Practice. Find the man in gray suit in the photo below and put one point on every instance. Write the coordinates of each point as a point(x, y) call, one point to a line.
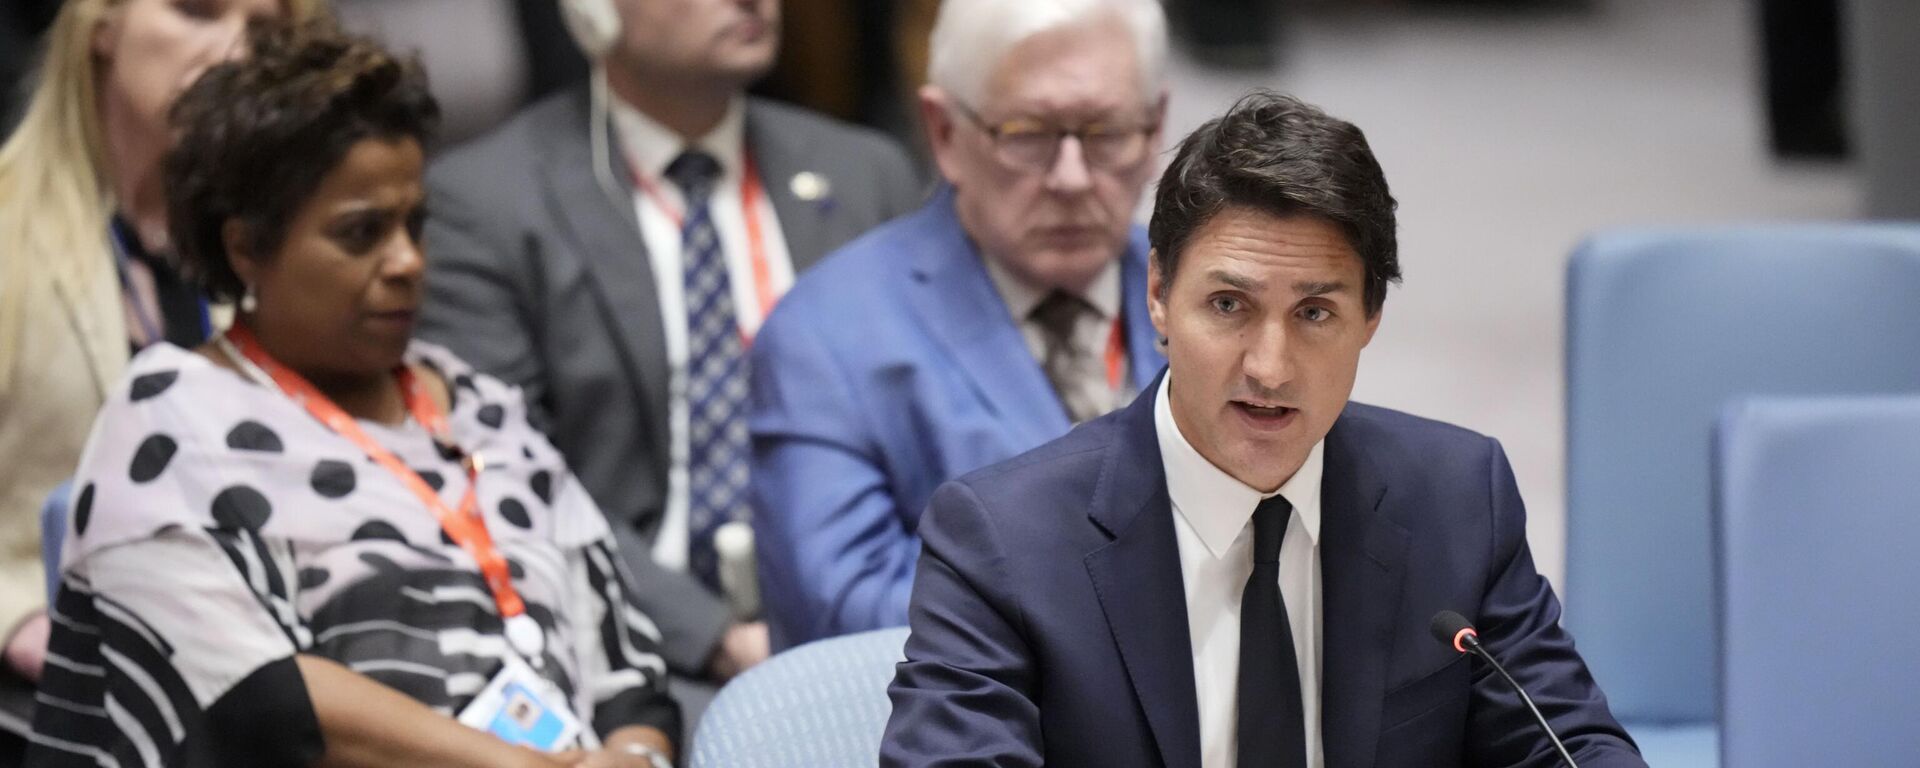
point(613, 249)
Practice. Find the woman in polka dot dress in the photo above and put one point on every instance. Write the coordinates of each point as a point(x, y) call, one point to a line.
point(268, 560)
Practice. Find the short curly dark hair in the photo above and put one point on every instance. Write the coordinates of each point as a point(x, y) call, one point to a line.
point(253, 138)
point(1274, 153)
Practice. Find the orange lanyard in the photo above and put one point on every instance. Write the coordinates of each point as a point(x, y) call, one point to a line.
point(465, 527)
point(1116, 356)
point(750, 192)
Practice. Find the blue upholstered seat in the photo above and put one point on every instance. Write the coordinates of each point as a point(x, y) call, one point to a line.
point(1663, 327)
point(820, 705)
point(1817, 521)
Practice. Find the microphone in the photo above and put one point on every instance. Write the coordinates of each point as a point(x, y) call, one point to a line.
point(1454, 630)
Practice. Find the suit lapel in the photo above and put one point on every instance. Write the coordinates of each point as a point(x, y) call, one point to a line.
point(1361, 559)
point(804, 223)
point(959, 307)
point(607, 237)
point(1137, 578)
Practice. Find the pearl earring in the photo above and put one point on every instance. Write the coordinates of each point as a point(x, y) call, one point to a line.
point(248, 303)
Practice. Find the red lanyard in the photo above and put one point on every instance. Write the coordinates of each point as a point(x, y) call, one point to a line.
point(1116, 356)
point(465, 526)
point(750, 192)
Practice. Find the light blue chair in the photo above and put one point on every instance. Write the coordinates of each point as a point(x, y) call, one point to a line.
point(1817, 519)
point(1663, 327)
point(53, 533)
point(819, 705)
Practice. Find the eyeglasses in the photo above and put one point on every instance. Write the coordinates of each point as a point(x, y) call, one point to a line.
point(1029, 143)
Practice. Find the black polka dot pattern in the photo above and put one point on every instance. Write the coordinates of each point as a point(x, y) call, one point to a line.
point(465, 381)
point(527, 451)
point(378, 530)
point(313, 577)
point(254, 436)
point(151, 458)
point(432, 479)
point(332, 479)
point(150, 384)
point(241, 507)
point(83, 510)
point(492, 415)
point(542, 482)
point(515, 570)
point(515, 512)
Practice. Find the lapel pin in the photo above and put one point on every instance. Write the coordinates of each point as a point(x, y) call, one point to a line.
point(810, 187)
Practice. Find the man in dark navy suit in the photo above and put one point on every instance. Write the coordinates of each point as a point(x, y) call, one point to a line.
point(1240, 568)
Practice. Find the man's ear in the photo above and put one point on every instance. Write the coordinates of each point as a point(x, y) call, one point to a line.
point(1156, 294)
point(937, 116)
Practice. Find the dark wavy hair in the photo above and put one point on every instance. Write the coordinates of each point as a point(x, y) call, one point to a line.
point(253, 138)
point(1274, 153)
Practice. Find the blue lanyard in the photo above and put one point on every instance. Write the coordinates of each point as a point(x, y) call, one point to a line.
point(148, 319)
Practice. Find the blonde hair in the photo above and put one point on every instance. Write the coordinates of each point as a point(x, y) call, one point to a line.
point(55, 199)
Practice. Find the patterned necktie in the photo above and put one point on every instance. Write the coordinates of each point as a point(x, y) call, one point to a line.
point(716, 371)
point(1069, 369)
point(1272, 727)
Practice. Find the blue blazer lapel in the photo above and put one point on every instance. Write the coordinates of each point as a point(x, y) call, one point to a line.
point(1137, 578)
point(1361, 564)
point(959, 307)
point(1144, 358)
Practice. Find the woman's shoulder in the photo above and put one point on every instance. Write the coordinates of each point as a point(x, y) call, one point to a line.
point(482, 404)
point(165, 381)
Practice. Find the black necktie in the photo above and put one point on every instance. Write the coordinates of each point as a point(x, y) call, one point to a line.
point(1273, 732)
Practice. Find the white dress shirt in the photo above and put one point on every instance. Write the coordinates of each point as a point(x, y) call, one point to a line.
point(650, 147)
point(1091, 333)
point(1213, 523)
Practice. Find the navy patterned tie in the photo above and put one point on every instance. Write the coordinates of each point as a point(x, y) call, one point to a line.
point(1272, 724)
point(716, 371)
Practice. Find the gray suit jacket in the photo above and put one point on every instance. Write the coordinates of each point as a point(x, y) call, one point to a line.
point(540, 277)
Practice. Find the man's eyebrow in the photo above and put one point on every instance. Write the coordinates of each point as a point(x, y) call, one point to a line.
point(1236, 281)
point(1319, 288)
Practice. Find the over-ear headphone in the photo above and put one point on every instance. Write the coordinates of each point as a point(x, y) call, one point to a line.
point(595, 25)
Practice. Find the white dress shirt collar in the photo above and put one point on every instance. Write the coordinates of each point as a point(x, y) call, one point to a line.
point(1103, 293)
point(1213, 502)
point(651, 147)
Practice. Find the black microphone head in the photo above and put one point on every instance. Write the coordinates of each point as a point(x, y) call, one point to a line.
point(1447, 626)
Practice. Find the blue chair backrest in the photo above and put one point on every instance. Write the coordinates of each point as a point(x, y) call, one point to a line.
point(1662, 329)
point(1817, 521)
point(819, 705)
point(53, 533)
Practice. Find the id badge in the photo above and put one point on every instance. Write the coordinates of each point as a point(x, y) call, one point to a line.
point(523, 708)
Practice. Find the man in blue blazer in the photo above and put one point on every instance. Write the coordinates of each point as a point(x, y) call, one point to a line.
point(1240, 568)
point(1006, 310)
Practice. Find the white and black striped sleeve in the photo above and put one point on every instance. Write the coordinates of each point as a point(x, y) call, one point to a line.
point(621, 669)
point(188, 640)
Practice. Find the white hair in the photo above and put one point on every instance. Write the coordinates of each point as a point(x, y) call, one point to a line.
point(970, 37)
